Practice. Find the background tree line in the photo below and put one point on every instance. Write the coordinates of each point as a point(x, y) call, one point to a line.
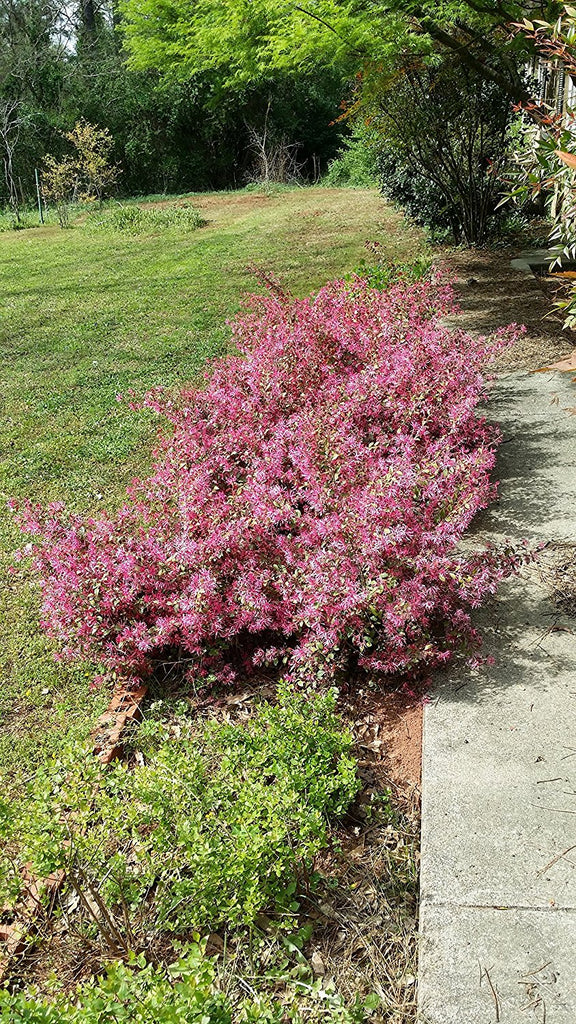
point(61, 62)
point(209, 94)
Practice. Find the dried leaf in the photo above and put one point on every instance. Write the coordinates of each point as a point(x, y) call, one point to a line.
point(214, 943)
point(568, 158)
point(317, 964)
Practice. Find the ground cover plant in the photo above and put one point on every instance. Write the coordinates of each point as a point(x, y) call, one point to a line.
point(203, 830)
point(206, 824)
point(305, 507)
point(186, 992)
point(250, 794)
point(183, 994)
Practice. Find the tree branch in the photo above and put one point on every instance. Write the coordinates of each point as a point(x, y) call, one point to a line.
point(514, 89)
point(316, 17)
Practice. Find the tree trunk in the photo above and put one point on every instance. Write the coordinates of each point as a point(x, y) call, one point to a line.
point(88, 15)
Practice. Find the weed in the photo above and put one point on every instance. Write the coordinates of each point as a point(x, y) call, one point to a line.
point(136, 220)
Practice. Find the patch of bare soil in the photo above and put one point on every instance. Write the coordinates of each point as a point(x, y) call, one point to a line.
point(237, 202)
point(493, 294)
point(389, 723)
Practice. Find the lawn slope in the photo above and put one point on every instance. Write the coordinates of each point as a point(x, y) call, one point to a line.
point(86, 314)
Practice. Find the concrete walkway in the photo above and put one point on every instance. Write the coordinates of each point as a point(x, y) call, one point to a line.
point(498, 911)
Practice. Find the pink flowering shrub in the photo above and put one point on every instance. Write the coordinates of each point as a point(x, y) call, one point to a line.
point(304, 508)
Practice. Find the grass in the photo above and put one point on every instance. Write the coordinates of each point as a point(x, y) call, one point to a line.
point(86, 314)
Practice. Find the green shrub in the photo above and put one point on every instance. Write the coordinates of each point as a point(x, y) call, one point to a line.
point(135, 220)
point(199, 832)
point(416, 194)
point(184, 993)
point(444, 135)
point(140, 994)
point(356, 165)
point(380, 271)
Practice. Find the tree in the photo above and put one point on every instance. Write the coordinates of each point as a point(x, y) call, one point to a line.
point(83, 177)
point(32, 51)
point(242, 38)
point(60, 185)
point(96, 174)
point(13, 120)
point(442, 137)
point(62, 60)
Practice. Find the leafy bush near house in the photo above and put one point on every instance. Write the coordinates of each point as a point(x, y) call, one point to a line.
point(202, 831)
point(421, 199)
point(444, 136)
point(305, 507)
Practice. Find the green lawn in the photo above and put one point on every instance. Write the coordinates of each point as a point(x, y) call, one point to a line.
point(84, 315)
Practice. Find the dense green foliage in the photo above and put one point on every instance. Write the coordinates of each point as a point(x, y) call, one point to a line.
point(59, 64)
point(189, 95)
point(435, 83)
point(204, 831)
point(139, 994)
point(356, 164)
point(240, 38)
point(444, 138)
point(202, 827)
